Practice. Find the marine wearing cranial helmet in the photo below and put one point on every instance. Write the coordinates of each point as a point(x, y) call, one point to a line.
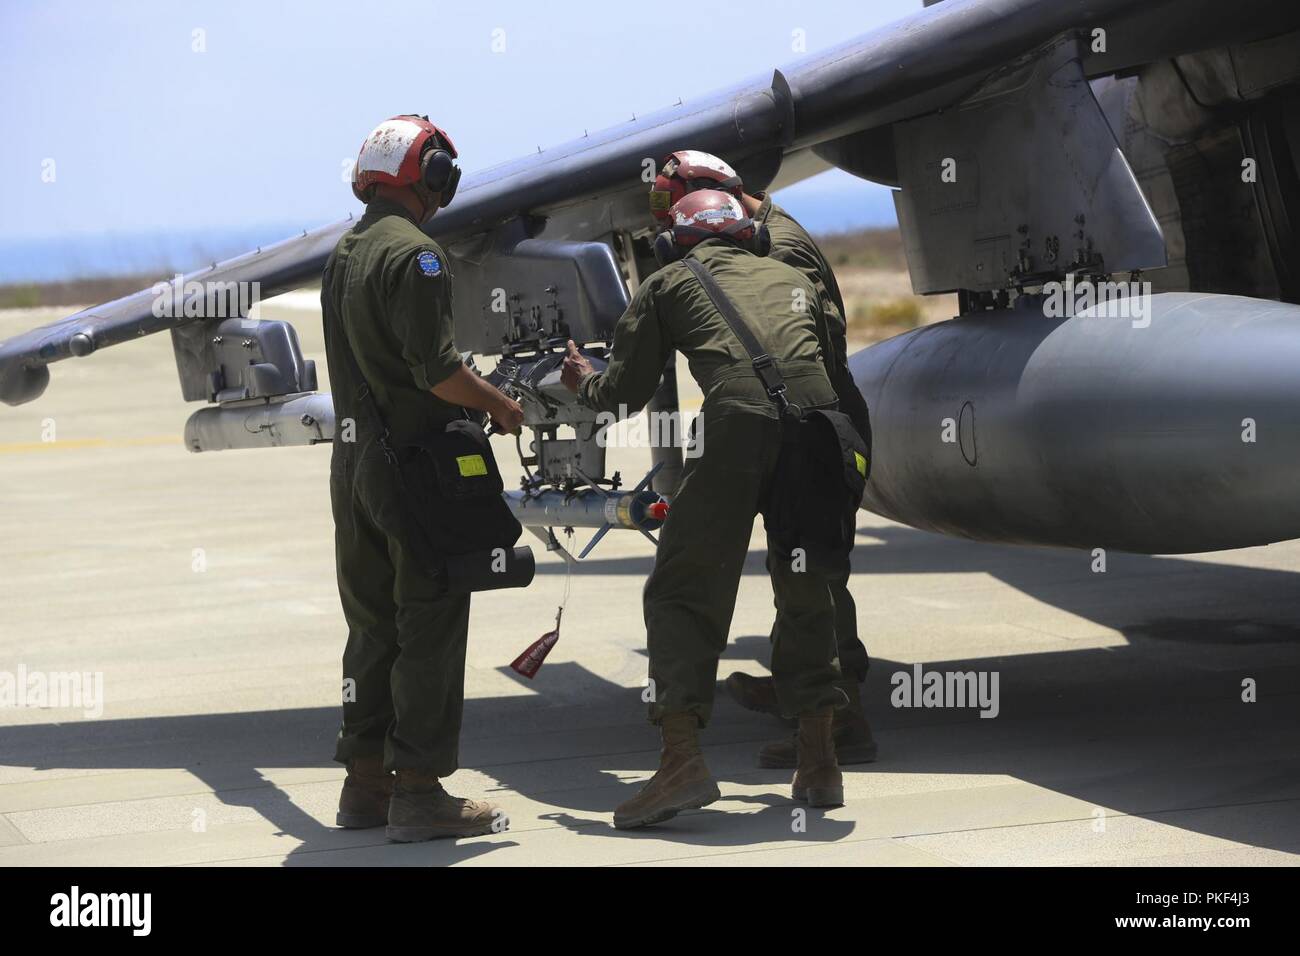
point(691, 593)
point(386, 299)
point(687, 172)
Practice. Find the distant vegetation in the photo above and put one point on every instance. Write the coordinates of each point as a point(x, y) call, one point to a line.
point(904, 312)
point(71, 292)
point(872, 272)
point(865, 249)
point(78, 292)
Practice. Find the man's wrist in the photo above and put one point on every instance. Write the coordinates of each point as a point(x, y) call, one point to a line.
point(500, 407)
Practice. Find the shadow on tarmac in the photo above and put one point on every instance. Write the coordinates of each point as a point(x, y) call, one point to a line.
point(1145, 728)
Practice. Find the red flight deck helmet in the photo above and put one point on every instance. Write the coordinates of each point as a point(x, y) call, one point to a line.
point(704, 214)
point(686, 171)
point(405, 150)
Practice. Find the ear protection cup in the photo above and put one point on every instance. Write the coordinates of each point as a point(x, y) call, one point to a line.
point(449, 190)
point(435, 169)
point(665, 248)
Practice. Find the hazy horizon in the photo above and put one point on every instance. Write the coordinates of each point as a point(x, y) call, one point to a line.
point(110, 253)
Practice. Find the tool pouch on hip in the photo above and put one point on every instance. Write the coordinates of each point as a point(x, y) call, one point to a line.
point(453, 487)
point(817, 486)
point(450, 509)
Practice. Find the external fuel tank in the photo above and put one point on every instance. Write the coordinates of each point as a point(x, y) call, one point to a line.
point(1173, 432)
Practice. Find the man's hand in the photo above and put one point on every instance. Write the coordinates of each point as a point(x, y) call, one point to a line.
point(508, 416)
point(462, 387)
point(576, 368)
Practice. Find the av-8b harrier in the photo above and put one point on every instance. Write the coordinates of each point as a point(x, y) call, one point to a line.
point(1038, 148)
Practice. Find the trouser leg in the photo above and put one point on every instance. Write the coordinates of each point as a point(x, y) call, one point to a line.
point(691, 593)
point(852, 652)
point(365, 582)
point(426, 677)
point(804, 670)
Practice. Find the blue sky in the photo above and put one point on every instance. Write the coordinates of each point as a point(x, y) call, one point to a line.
point(150, 137)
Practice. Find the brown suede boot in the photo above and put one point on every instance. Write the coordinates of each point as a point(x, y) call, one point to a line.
point(366, 791)
point(753, 693)
point(422, 810)
point(682, 781)
point(817, 779)
point(852, 733)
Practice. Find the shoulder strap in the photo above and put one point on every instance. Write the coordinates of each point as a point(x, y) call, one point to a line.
point(364, 395)
point(764, 367)
point(366, 398)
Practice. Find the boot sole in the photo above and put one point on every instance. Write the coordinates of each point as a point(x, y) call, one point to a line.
point(851, 755)
point(359, 821)
point(424, 834)
point(820, 796)
point(694, 802)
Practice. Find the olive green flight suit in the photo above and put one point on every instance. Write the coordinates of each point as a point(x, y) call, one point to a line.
point(792, 245)
point(386, 297)
point(691, 594)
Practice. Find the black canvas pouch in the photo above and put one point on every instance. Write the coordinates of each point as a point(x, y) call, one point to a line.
point(833, 465)
point(454, 488)
point(813, 496)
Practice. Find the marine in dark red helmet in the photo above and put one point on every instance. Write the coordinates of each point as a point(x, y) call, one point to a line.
point(707, 214)
point(687, 171)
point(690, 595)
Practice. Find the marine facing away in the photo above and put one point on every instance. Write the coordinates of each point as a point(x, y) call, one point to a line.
point(691, 593)
point(386, 300)
point(682, 173)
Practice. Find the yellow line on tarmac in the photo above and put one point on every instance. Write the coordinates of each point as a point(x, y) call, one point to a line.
point(70, 444)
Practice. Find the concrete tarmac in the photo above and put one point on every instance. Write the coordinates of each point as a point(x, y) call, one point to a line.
point(1147, 714)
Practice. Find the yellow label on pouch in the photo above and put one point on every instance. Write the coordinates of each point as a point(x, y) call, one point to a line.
point(471, 466)
point(861, 461)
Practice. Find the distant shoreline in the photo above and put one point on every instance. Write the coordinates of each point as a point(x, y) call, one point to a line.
point(878, 248)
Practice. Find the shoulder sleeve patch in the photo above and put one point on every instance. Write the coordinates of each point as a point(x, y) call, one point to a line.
point(429, 263)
